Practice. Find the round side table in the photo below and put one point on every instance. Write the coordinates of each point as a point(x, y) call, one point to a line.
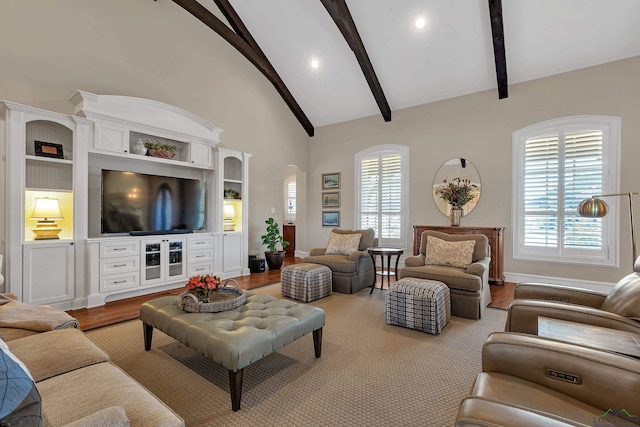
point(388, 252)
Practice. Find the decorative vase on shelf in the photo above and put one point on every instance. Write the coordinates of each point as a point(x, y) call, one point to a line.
point(139, 148)
point(455, 215)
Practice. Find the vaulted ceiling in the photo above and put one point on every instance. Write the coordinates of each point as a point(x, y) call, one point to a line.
point(372, 59)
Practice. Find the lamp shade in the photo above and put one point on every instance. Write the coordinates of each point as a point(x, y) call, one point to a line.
point(46, 209)
point(593, 208)
point(229, 211)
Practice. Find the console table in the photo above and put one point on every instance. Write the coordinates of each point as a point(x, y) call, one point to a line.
point(496, 242)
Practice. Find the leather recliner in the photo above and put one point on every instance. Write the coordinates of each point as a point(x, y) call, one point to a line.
point(620, 309)
point(532, 381)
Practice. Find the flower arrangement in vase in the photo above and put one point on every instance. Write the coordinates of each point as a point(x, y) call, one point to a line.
point(457, 192)
point(200, 286)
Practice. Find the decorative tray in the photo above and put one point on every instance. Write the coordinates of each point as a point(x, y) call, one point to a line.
point(222, 299)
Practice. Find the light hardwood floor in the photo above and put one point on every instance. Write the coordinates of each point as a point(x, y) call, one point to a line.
point(127, 309)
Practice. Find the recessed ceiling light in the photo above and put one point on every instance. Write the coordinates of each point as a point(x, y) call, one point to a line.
point(314, 63)
point(420, 23)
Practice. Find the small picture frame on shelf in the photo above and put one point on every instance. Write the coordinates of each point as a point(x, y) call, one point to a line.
point(48, 149)
point(331, 219)
point(331, 181)
point(331, 199)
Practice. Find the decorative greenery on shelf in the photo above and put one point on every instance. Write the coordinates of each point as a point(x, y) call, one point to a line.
point(154, 144)
point(273, 238)
point(231, 194)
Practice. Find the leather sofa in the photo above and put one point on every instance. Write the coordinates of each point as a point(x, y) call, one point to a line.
point(528, 380)
point(468, 287)
point(620, 309)
point(353, 272)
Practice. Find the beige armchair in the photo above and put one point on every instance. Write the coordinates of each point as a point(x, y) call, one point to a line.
point(352, 272)
point(620, 309)
point(468, 286)
point(531, 381)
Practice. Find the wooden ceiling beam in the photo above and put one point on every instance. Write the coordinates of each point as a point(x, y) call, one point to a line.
point(247, 46)
point(497, 33)
point(342, 17)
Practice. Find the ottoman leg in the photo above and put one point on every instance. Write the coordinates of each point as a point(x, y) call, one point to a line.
point(317, 342)
point(148, 335)
point(235, 388)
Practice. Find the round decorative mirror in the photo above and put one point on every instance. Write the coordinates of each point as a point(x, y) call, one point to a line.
point(458, 172)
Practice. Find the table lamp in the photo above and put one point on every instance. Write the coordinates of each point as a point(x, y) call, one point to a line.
point(229, 213)
point(596, 208)
point(46, 211)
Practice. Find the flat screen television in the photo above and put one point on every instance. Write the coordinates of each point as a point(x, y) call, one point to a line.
point(149, 204)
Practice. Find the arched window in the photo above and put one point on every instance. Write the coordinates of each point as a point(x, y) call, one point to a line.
point(163, 212)
point(557, 164)
point(382, 192)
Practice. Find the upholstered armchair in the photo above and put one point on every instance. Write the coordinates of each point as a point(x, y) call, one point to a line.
point(532, 381)
point(459, 261)
point(347, 256)
point(620, 309)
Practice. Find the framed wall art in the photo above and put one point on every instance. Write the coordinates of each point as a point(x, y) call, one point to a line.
point(331, 181)
point(331, 199)
point(48, 149)
point(331, 219)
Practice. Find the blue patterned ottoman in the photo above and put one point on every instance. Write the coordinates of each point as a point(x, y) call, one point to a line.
point(306, 282)
point(419, 304)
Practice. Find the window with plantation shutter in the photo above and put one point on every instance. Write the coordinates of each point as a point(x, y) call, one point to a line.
point(381, 175)
point(290, 199)
point(557, 164)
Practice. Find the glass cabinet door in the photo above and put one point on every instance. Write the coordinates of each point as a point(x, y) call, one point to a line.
point(176, 254)
point(153, 261)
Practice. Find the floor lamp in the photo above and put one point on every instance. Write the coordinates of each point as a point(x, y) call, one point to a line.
point(596, 208)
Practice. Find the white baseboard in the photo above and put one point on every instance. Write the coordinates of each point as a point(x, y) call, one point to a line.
point(585, 284)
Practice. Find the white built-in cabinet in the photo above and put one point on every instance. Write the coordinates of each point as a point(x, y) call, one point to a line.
point(43, 271)
point(84, 268)
point(233, 172)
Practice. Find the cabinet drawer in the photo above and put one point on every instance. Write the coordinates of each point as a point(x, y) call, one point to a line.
point(120, 281)
point(200, 256)
point(119, 249)
point(200, 268)
point(196, 243)
point(119, 265)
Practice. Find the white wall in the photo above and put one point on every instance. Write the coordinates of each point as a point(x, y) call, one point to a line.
point(479, 127)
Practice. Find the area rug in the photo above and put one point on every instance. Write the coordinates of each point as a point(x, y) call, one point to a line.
point(370, 373)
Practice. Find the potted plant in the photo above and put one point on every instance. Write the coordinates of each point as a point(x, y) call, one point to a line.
point(157, 149)
point(273, 239)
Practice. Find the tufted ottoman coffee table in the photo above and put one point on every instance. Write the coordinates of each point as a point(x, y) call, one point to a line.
point(419, 304)
point(306, 281)
point(235, 338)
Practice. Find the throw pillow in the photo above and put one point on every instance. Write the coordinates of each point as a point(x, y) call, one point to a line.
point(343, 244)
point(453, 254)
point(21, 403)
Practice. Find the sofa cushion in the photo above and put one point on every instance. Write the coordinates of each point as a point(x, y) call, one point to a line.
point(453, 254)
point(65, 398)
point(73, 350)
point(113, 416)
point(21, 403)
point(481, 250)
point(343, 244)
point(454, 278)
point(366, 241)
point(337, 263)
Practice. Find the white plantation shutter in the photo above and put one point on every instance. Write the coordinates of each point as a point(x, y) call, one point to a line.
point(558, 164)
point(381, 175)
point(290, 199)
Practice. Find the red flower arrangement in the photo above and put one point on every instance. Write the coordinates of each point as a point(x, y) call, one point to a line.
point(201, 285)
point(457, 192)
